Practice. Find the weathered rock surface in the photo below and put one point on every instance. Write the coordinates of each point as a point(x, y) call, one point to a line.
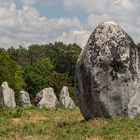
point(65, 99)
point(7, 96)
point(46, 98)
point(24, 99)
point(108, 75)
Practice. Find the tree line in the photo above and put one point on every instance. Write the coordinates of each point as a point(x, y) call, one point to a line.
point(39, 66)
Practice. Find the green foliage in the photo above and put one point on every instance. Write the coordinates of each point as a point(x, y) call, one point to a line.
point(138, 46)
point(41, 75)
point(19, 55)
point(11, 72)
point(38, 76)
point(62, 56)
point(46, 65)
point(58, 81)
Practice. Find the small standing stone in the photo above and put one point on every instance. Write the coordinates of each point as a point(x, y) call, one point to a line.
point(64, 98)
point(24, 99)
point(7, 96)
point(46, 98)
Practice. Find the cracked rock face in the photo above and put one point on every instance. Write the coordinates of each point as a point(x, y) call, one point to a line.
point(107, 74)
point(7, 96)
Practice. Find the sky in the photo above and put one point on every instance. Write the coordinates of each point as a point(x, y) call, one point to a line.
point(26, 22)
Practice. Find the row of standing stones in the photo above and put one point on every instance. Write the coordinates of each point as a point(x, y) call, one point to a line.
point(107, 77)
point(44, 98)
point(108, 74)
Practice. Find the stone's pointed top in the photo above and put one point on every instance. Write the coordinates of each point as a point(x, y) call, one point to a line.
point(22, 91)
point(65, 87)
point(110, 23)
point(5, 84)
point(46, 90)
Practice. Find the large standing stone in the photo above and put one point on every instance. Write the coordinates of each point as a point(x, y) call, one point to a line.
point(64, 98)
point(46, 98)
point(24, 99)
point(7, 96)
point(108, 74)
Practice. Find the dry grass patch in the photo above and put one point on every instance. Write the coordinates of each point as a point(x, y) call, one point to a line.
point(16, 120)
point(99, 122)
point(36, 117)
point(94, 138)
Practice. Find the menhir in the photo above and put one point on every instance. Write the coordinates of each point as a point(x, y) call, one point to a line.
point(107, 74)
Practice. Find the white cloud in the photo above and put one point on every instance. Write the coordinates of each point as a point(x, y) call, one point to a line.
point(26, 26)
point(63, 22)
point(93, 20)
point(7, 9)
point(101, 6)
point(130, 23)
point(126, 4)
point(79, 36)
point(124, 12)
point(127, 23)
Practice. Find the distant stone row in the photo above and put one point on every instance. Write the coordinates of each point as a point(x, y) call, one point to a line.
point(44, 98)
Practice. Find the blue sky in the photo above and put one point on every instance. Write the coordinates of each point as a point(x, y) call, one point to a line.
point(53, 9)
point(26, 22)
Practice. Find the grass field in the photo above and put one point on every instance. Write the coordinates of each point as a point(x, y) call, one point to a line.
point(63, 124)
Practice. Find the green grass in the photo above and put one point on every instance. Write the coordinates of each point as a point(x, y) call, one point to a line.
point(63, 124)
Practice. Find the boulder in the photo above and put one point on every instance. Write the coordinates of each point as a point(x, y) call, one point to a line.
point(108, 75)
point(24, 99)
point(46, 98)
point(64, 98)
point(7, 96)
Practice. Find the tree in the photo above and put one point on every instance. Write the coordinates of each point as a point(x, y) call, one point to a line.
point(138, 46)
point(38, 76)
point(11, 72)
point(58, 81)
point(41, 75)
point(19, 55)
point(47, 65)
